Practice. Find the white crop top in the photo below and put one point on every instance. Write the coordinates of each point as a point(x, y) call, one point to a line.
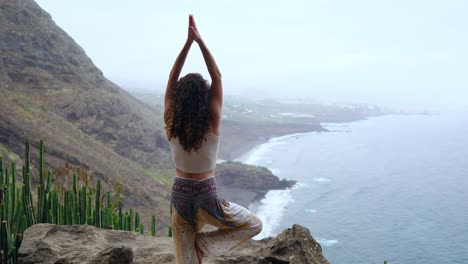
point(199, 161)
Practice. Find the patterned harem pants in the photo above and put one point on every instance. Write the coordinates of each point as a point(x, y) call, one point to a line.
point(196, 203)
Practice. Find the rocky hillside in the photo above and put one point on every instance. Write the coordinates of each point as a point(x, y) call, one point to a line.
point(50, 89)
point(46, 243)
point(44, 72)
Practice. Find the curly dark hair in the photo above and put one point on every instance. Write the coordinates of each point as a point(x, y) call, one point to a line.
point(189, 113)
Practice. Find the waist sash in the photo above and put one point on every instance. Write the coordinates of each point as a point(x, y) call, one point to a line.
point(190, 195)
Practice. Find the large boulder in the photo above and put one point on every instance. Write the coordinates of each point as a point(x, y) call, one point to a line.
point(47, 243)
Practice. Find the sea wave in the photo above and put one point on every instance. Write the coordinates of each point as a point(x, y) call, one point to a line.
point(300, 185)
point(327, 242)
point(295, 135)
point(274, 171)
point(271, 210)
point(256, 156)
point(321, 179)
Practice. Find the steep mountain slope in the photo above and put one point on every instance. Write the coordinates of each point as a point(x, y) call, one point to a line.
point(50, 89)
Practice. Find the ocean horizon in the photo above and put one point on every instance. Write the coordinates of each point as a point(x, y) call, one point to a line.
point(385, 188)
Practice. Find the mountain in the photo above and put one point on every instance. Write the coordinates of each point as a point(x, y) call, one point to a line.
point(50, 90)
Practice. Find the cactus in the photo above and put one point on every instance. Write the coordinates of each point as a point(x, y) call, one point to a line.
point(169, 231)
point(5, 241)
point(83, 205)
point(131, 220)
point(137, 221)
point(153, 225)
point(128, 222)
point(41, 162)
point(121, 217)
point(13, 189)
point(89, 209)
point(55, 205)
point(97, 216)
point(1, 172)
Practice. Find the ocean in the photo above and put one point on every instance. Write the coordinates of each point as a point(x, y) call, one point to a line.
point(390, 188)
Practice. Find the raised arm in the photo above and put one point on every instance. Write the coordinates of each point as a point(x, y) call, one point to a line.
point(177, 68)
point(215, 74)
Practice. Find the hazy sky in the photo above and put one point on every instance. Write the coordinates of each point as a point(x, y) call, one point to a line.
point(399, 52)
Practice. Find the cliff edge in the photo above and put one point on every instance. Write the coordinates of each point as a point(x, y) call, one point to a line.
point(47, 243)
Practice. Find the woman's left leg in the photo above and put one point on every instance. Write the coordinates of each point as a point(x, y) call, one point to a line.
point(245, 226)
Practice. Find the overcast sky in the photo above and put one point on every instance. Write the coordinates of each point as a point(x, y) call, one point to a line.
point(399, 52)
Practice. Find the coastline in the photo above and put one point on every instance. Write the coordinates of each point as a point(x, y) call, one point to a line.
point(240, 138)
point(249, 190)
point(246, 184)
point(278, 198)
point(259, 134)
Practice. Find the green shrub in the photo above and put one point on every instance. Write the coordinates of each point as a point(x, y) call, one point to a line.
point(56, 205)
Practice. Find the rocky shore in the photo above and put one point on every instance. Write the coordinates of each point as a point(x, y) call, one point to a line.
point(84, 244)
point(246, 184)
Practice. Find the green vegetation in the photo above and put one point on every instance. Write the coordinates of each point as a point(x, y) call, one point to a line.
point(57, 205)
point(247, 167)
point(169, 231)
point(165, 176)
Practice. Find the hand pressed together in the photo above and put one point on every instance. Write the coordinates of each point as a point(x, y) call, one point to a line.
point(193, 33)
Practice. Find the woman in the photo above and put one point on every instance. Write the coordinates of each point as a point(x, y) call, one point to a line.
point(192, 114)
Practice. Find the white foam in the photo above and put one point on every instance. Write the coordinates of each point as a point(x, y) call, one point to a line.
point(327, 242)
point(300, 185)
point(296, 115)
point(321, 179)
point(304, 115)
point(287, 114)
point(311, 211)
point(271, 210)
point(282, 138)
point(256, 156)
point(274, 171)
point(327, 124)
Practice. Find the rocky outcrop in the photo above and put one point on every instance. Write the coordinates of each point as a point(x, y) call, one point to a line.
point(245, 184)
point(46, 243)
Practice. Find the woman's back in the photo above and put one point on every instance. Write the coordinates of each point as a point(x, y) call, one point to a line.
point(200, 161)
point(192, 114)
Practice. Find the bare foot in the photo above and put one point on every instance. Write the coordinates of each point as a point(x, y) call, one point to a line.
point(199, 254)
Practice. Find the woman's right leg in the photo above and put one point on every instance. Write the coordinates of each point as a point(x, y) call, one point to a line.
point(184, 239)
point(246, 225)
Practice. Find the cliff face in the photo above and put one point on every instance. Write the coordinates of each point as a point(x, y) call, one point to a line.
point(41, 62)
point(46, 243)
point(50, 89)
